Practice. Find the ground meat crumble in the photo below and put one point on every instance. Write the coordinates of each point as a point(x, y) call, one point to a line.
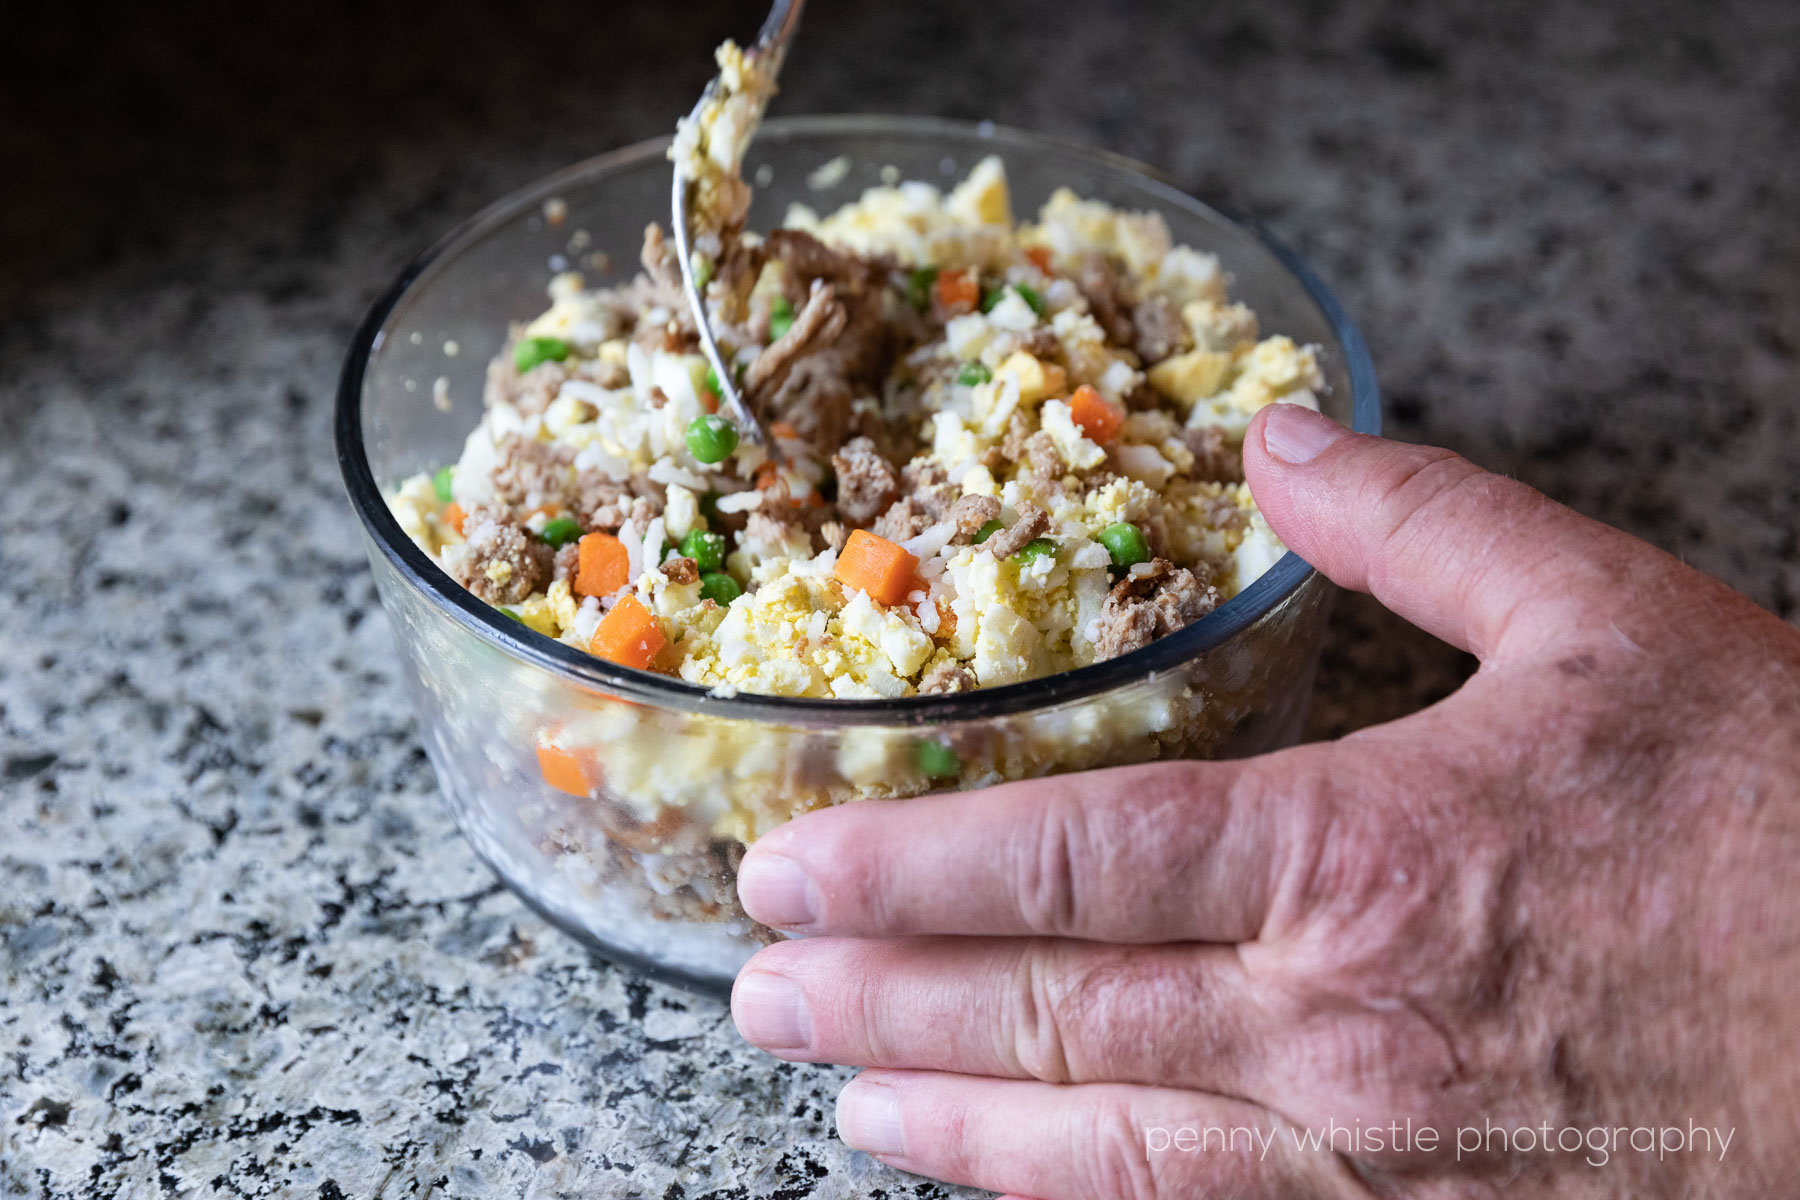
point(1007, 542)
point(867, 483)
point(681, 570)
point(1145, 606)
point(972, 512)
point(501, 561)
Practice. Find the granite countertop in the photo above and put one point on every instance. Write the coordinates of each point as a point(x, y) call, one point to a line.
point(243, 949)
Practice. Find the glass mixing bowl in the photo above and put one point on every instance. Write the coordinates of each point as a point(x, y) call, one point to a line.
point(661, 783)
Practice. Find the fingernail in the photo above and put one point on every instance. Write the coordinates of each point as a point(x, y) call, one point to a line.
point(868, 1118)
point(777, 890)
point(1293, 434)
point(770, 1011)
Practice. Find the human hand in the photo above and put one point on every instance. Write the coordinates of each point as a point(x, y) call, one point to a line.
point(1564, 897)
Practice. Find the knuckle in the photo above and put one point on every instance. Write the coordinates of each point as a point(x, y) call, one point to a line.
point(1376, 904)
point(873, 1016)
point(1363, 849)
point(1418, 485)
point(1031, 1027)
point(1420, 502)
point(1082, 857)
point(1053, 859)
point(1380, 1062)
point(1444, 885)
point(1297, 791)
point(1118, 1166)
point(1409, 963)
point(1093, 1007)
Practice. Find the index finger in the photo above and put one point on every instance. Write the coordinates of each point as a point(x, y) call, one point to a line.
point(1189, 851)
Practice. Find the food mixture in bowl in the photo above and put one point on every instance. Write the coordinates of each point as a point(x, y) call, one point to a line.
point(1003, 449)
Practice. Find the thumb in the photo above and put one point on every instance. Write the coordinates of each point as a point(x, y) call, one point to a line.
point(1475, 558)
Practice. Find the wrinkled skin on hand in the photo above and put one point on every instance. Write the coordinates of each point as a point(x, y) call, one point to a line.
point(1567, 897)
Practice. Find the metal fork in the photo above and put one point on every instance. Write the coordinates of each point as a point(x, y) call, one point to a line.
point(772, 42)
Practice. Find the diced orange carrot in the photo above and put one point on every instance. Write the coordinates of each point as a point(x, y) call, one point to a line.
point(1099, 418)
point(628, 635)
point(958, 290)
point(708, 401)
point(876, 566)
point(548, 510)
point(1040, 258)
point(767, 476)
point(603, 566)
point(783, 429)
point(567, 770)
point(454, 516)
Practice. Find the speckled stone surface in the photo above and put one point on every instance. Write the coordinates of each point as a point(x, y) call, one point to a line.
point(243, 952)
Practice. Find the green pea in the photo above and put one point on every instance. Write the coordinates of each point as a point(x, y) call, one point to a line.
point(440, 483)
point(918, 287)
point(703, 272)
point(705, 548)
point(560, 531)
point(1030, 295)
point(712, 383)
point(1125, 542)
point(532, 351)
point(990, 296)
point(936, 760)
point(711, 438)
point(988, 529)
point(781, 317)
point(1035, 549)
point(515, 616)
point(973, 373)
point(719, 587)
point(709, 505)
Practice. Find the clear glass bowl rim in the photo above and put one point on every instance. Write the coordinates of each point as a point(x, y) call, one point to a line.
point(589, 673)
